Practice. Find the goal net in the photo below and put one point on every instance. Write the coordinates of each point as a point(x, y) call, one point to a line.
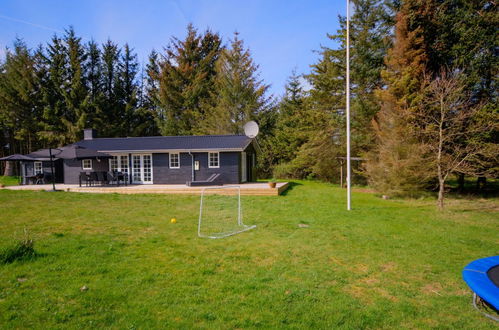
point(220, 213)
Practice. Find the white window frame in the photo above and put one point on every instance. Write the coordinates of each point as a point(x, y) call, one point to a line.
point(83, 164)
point(35, 166)
point(170, 159)
point(209, 160)
point(119, 163)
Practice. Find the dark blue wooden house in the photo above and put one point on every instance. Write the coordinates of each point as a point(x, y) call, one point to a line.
point(168, 159)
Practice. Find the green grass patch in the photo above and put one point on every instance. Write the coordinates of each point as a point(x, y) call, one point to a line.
point(23, 249)
point(385, 264)
point(9, 180)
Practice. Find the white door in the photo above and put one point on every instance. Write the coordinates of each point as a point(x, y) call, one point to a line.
point(141, 168)
point(244, 169)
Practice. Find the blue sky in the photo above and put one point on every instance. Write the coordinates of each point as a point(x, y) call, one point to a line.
point(281, 35)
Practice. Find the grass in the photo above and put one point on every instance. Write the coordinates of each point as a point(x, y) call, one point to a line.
point(9, 180)
point(385, 264)
point(23, 249)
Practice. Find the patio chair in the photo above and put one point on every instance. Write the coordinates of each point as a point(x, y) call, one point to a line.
point(111, 177)
point(39, 178)
point(84, 178)
point(121, 176)
point(93, 178)
point(101, 177)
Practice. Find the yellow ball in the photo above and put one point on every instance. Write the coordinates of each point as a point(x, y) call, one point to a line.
point(173, 220)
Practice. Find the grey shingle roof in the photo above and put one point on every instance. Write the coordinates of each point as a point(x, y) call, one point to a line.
point(201, 142)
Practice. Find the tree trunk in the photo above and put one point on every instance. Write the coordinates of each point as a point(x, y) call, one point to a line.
point(441, 191)
point(9, 169)
point(460, 182)
point(481, 182)
point(441, 177)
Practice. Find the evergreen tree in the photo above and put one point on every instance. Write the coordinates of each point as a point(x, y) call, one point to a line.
point(55, 60)
point(126, 91)
point(147, 112)
point(324, 121)
point(108, 109)
point(239, 96)
point(74, 91)
point(289, 133)
point(395, 165)
point(371, 36)
point(19, 102)
point(186, 80)
point(93, 78)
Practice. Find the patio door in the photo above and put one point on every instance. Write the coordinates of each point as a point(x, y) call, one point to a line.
point(142, 168)
point(119, 163)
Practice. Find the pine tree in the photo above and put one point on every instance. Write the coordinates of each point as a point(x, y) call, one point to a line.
point(289, 134)
point(126, 91)
point(54, 59)
point(324, 127)
point(371, 37)
point(74, 92)
point(147, 113)
point(93, 78)
point(239, 96)
point(186, 80)
point(397, 164)
point(19, 102)
point(108, 109)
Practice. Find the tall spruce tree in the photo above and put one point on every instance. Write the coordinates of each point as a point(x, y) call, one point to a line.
point(147, 113)
point(74, 91)
point(430, 39)
point(108, 109)
point(289, 133)
point(371, 26)
point(20, 101)
point(396, 164)
point(238, 96)
point(127, 91)
point(93, 78)
point(54, 58)
point(186, 79)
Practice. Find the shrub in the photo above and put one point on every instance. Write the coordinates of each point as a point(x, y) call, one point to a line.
point(21, 250)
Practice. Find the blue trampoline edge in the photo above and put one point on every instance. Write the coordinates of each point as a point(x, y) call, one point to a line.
point(478, 276)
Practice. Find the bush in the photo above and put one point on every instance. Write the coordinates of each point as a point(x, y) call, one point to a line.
point(23, 249)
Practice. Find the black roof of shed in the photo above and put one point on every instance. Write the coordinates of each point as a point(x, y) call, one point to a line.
point(165, 143)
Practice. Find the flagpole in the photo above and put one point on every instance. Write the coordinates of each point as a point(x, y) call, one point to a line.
point(349, 207)
point(52, 169)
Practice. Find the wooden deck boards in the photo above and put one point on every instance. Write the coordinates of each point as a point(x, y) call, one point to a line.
point(247, 189)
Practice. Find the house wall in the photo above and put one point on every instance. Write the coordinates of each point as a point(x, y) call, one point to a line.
point(230, 168)
point(163, 174)
point(250, 164)
point(29, 170)
point(73, 167)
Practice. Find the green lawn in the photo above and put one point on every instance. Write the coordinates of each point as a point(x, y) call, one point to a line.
point(386, 264)
point(9, 180)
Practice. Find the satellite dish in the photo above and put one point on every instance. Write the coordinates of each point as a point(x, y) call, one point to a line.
point(251, 129)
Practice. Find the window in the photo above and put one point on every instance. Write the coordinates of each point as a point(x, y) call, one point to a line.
point(86, 164)
point(213, 160)
point(174, 161)
point(119, 164)
point(38, 168)
point(113, 163)
point(123, 164)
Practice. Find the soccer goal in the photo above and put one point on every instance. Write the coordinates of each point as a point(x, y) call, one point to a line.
point(220, 212)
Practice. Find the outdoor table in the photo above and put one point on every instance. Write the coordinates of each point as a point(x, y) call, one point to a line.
point(121, 176)
point(32, 179)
